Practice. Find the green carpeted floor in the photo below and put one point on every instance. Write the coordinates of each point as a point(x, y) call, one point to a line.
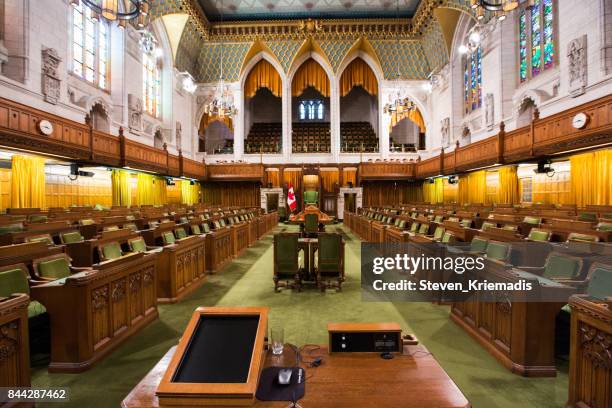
point(248, 282)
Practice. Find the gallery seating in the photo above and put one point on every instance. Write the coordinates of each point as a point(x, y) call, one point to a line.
point(311, 137)
point(357, 137)
point(264, 138)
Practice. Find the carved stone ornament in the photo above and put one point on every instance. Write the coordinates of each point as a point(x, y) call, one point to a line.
point(489, 111)
point(179, 134)
point(135, 110)
point(577, 61)
point(50, 75)
point(445, 131)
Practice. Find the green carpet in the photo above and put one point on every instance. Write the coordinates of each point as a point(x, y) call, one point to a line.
point(248, 282)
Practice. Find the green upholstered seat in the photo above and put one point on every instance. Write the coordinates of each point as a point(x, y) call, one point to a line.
point(424, 229)
point(57, 268)
point(413, 215)
point(112, 250)
point(328, 255)
point(465, 223)
point(168, 238)
point(195, 229)
point(402, 224)
point(130, 226)
point(38, 218)
point(479, 245)
point(538, 235)
point(46, 238)
point(311, 197)
point(71, 237)
point(217, 224)
point(438, 233)
point(414, 227)
point(578, 237)
point(311, 223)
point(510, 227)
point(286, 259)
point(87, 221)
point(180, 233)
point(438, 219)
point(111, 228)
point(222, 222)
point(604, 226)
point(559, 266)
point(600, 283)
point(206, 228)
point(16, 227)
point(396, 222)
point(183, 220)
point(137, 245)
point(499, 251)
point(453, 219)
point(15, 280)
point(448, 238)
point(230, 220)
point(532, 220)
point(587, 216)
point(130, 217)
point(486, 225)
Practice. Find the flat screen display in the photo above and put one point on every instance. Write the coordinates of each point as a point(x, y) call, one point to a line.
point(219, 350)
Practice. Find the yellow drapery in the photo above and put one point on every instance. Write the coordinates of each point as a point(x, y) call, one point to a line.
point(412, 114)
point(508, 186)
point(273, 177)
point(27, 182)
point(433, 192)
point(263, 75)
point(350, 175)
point(330, 178)
point(310, 74)
point(208, 119)
point(591, 178)
point(293, 177)
point(120, 180)
point(358, 73)
point(472, 187)
point(151, 190)
point(190, 193)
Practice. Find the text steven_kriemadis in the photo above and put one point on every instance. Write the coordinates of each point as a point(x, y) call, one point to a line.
point(473, 285)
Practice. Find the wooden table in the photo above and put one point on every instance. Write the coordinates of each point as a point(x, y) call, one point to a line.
point(346, 380)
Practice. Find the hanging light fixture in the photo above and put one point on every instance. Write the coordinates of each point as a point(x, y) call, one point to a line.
point(399, 105)
point(222, 102)
point(498, 7)
point(109, 10)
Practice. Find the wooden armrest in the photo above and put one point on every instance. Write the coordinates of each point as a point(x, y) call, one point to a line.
point(77, 269)
point(39, 281)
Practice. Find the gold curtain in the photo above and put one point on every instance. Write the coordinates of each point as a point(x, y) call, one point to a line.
point(294, 178)
point(472, 187)
point(412, 114)
point(190, 193)
point(350, 175)
point(433, 193)
point(208, 119)
point(330, 178)
point(273, 177)
point(263, 75)
point(358, 73)
point(120, 180)
point(508, 186)
point(151, 190)
point(27, 182)
point(310, 74)
point(591, 178)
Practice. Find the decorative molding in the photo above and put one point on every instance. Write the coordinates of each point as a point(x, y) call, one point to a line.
point(50, 75)
point(489, 106)
point(135, 112)
point(577, 66)
point(445, 132)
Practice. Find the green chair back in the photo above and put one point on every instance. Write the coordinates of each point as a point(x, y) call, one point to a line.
point(311, 197)
point(46, 238)
point(447, 238)
point(604, 226)
point(5, 229)
point(438, 233)
point(479, 245)
point(206, 227)
point(311, 223)
point(71, 237)
point(222, 222)
point(168, 238)
point(414, 227)
point(130, 218)
point(438, 219)
point(510, 227)
point(578, 237)
point(196, 229)
point(38, 218)
point(466, 223)
point(286, 253)
point(532, 220)
point(180, 233)
point(217, 224)
point(111, 228)
point(538, 235)
point(587, 216)
point(183, 220)
point(13, 281)
point(600, 284)
point(57, 268)
point(137, 245)
point(486, 225)
point(87, 221)
point(453, 219)
point(499, 251)
point(112, 250)
point(230, 220)
point(329, 256)
point(424, 229)
point(130, 226)
point(559, 266)
point(402, 224)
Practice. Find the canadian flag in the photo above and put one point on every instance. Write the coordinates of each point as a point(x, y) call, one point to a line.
point(291, 198)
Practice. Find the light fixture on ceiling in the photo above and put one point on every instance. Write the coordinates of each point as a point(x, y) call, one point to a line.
point(499, 7)
point(222, 102)
point(109, 10)
point(474, 38)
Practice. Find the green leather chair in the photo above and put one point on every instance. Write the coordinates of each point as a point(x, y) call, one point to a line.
point(498, 251)
point(466, 223)
point(479, 245)
point(402, 224)
point(87, 221)
point(54, 267)
point(587, 216)
point(311, 224)
point(168, 238)
point(14, 279)
point(183, 220)
point(205, 227)
point(111, 250)
point(538, 235)
point(222, 222)
point(599, 281)
point(195, 229)
point(130, 226)
point(330, 261)
point(578, 237)
point(423, 229)
point(558, 267)
point(438, 219)
point(111, 228)
point(414, 227)
point(230, 220)
point(448, 238)
point(311, 197)
point(487, 224)
point(16, 227)
point(286, 261)
point(532, 220)
point(604, 226)
point(137, 245)
point(438, 234)
point(180, 233)
point(510, 227)
point(38, 218)
point(71, 237)
point(46, 238)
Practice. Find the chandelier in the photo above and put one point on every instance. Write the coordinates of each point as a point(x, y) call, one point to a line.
point(498, 7)
point(222, 102)
point(109, 10)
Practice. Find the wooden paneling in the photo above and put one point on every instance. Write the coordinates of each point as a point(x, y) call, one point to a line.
point(517, 144)
point(181, 268)
point(236, 172)
point(429, 167)
point(384, 170)
point(84, 191)
point(382, 193)
point(174, 165)
point(106, 148)
point(482, 153)
point(140, 156)
point(232, 194)
point(14, 345)
point(194, 169)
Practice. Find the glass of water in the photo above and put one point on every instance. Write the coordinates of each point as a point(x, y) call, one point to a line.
point(277, 339)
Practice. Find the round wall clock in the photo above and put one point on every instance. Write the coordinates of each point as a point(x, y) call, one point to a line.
point(580, 120)
point(45, 127)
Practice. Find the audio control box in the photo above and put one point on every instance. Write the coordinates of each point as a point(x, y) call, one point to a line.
point(365, 338)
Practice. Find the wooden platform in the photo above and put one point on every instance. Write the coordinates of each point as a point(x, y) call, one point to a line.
point(346, 380)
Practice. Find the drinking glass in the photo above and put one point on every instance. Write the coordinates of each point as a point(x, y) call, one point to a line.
point(277, 340)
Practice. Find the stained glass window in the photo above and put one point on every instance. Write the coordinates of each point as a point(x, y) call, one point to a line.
point(151, 85)
point(90, 46)
point(472, 81)
point(536, 37)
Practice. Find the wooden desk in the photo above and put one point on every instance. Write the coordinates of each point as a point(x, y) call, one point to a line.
point(181, 268)
point(346, 380)
point(590, 362)
point(218, 248)
point(93, 312)
point(86, 253)
point(14, 347)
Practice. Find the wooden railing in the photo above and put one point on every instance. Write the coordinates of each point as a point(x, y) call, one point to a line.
point(390, 170)
point(235, 172)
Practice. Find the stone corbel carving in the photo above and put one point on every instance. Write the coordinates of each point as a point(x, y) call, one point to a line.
point(179, 135)
point(135, 110)
point(577, 60)
point(445, 131)
point(489, 111)
point(50, 75)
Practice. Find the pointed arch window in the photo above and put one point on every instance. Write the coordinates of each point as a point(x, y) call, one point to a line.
point(536, 39)
point(90, 46)
point(312, 109)
point(472, 81)
point(151, 85)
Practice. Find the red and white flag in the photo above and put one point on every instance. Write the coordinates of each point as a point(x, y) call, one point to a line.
point(291, 198)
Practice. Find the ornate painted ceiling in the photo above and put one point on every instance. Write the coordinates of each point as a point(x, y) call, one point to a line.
point(241, 10)
point(415, 46)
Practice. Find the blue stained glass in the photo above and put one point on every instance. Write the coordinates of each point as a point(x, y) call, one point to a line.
point(536, 39)
point(523, 47)
point(549, 48)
